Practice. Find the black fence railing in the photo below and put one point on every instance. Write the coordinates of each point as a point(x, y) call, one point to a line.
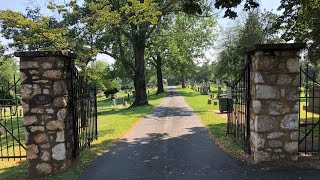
point(12, 139)
point(84, 105)
point(309, 111)
point(238, 126)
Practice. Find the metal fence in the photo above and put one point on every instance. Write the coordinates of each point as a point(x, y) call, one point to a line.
point(12, 139)
point(84, 107)
point(238, 126)
point(309, 126)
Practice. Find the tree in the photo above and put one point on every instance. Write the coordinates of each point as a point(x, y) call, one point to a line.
point(122, 28)
point(190, 37)
point(32, 31)
point(98, 73)
point(256, 30)
point(8, 69)
point(178, 42)
point(300, 22)
point(119, 28)
point(2, 50)
point(204, 73)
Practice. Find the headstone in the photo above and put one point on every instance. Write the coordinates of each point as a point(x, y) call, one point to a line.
point(219, 91)
point(229, 93)
point(125, 103)
point(314, 100)
point(114, 102)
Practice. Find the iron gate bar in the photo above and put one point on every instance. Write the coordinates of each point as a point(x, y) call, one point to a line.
point(11, 144)
point(238, 115)
point(84, 108)
point(305, 143)
point(10, 133)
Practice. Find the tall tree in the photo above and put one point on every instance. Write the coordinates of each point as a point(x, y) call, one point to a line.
point(31, 31)
point(2, 49)
point(189, 36)
point(256, 30)
point(122, 28)
point(8, 69)
point(301, 22)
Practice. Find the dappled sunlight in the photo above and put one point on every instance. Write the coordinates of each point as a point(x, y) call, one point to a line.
point(112, 125)
point(160, 159)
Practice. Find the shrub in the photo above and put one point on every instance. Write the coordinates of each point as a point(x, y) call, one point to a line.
point(110, 91)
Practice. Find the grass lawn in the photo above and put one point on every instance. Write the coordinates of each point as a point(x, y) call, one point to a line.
point(216, 124)
point(113, 123)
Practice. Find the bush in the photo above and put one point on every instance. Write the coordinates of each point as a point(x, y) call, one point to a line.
point(111, 91)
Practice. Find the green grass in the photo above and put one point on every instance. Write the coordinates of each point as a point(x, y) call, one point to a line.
point(215, 123)
point(8, 145)
point(113, 123)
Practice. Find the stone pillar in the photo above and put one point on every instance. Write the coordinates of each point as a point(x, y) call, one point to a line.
point(274, 108)
point(45, 90)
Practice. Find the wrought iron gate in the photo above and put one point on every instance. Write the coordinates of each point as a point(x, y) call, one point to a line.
point(12, 140)
point(238, 126)
point(309, 111)
point(84, 108)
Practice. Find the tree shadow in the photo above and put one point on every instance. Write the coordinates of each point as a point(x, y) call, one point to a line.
point(191, 155)
point(162, 155)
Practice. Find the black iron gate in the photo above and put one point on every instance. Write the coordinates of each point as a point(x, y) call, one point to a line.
point(309, 111)
point(12, 139)
point(84, 107)
point(238, 126)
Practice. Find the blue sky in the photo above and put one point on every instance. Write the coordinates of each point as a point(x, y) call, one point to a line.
point(20, 5)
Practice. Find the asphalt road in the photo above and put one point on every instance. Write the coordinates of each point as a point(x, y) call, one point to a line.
point(172, 143)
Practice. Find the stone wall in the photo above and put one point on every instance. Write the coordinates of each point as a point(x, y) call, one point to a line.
point(274, 108)
point(45, 90)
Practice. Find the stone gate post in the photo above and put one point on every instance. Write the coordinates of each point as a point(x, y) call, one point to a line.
point(45, 90)
point(274, 108)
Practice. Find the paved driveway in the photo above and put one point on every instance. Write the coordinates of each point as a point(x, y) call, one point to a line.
point(172, 143)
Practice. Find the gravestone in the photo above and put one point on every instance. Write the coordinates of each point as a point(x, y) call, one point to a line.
point(314, 100)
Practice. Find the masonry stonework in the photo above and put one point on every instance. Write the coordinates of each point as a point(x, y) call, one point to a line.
point(45, 91)
point(274, 108)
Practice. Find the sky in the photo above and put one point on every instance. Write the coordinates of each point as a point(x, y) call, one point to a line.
point(20, 5)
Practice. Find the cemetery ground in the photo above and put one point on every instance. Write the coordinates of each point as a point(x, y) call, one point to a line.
point(172, 143)
point(113, 122)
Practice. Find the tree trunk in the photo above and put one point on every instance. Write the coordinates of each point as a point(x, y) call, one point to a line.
point(184, 81)
point(139, 77)
point(159, 75)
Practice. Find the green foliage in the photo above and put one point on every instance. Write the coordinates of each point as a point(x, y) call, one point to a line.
point(32, 31)
point(111, 91)
point(98, 73)
point(113, 123)
point(230, 5)
point(256, 30)
point(204, 73)
point(187, 38)
point(8, 69)
point(2, 49)
point(300, 22)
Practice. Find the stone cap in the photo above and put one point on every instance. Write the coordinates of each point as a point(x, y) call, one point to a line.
point(278, 47)
point(45, 53)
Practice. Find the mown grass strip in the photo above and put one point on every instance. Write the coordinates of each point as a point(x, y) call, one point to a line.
point(113, 123)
